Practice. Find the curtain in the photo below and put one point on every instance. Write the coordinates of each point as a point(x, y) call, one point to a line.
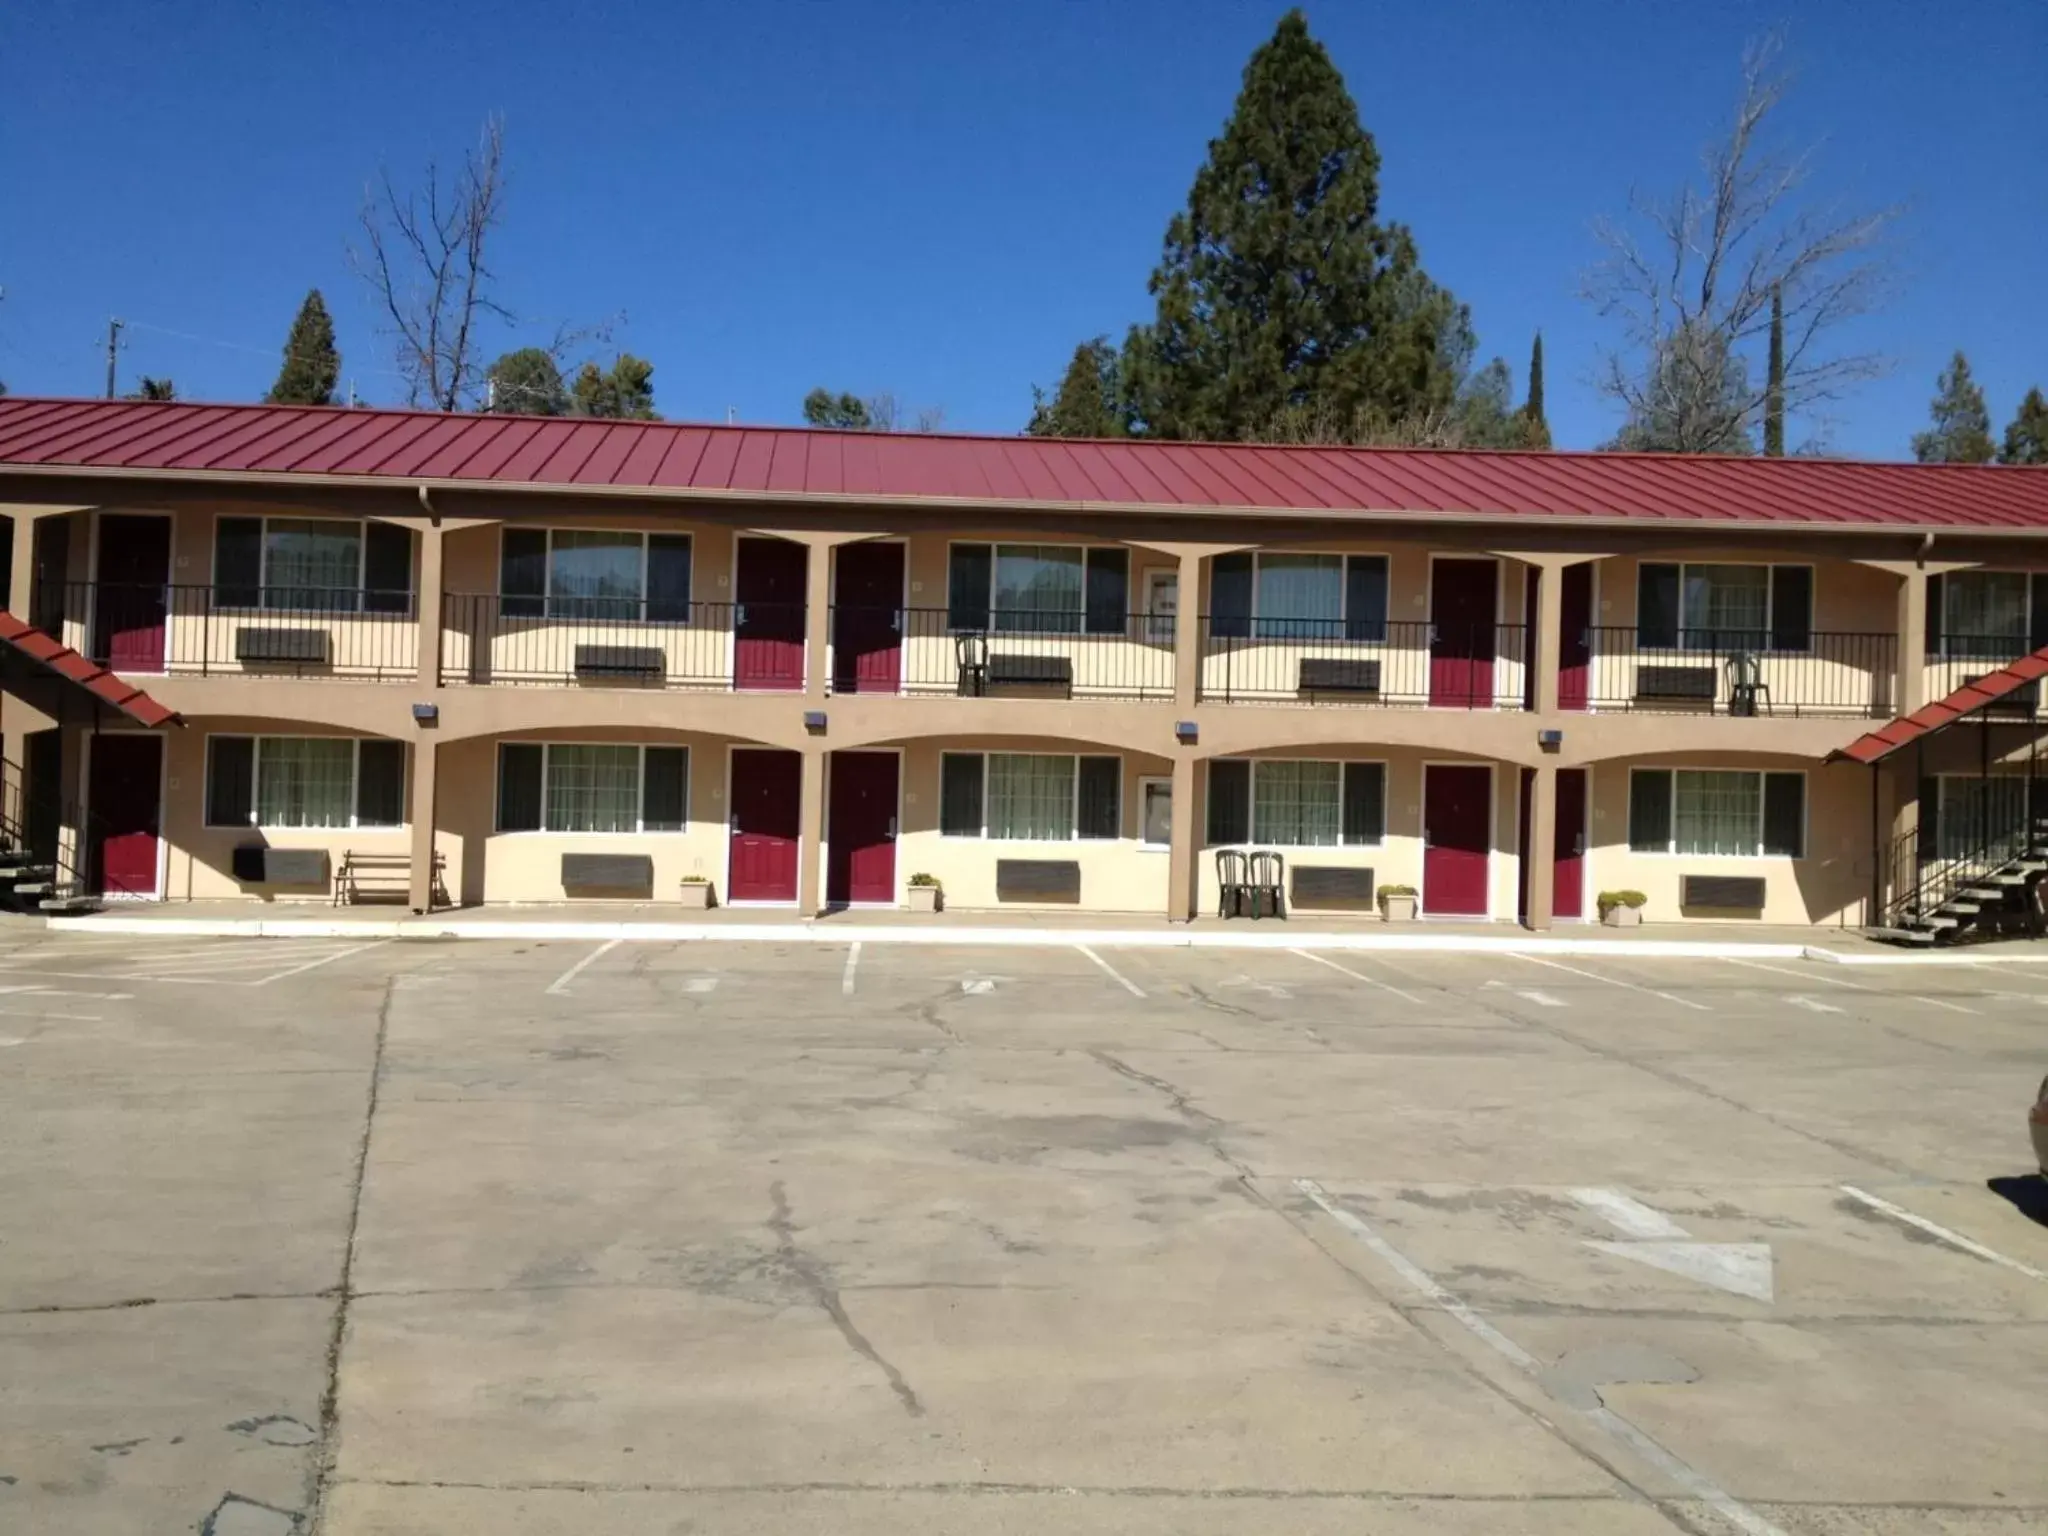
point(1296, 805)
point(594, 574)
point(1030, 797)
point(593, 789)
point(312, 565)
point(304, 781)
point(1301, 597)
point(1038, 590)
point(1727, 605)
point(1718, 813)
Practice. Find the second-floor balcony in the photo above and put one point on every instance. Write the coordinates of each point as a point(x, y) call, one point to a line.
point(1363, 660)
point(1095, 653)
point(1731, 672)
point(622, 642)
point(293, 631)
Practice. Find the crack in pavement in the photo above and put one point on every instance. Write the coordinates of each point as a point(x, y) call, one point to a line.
point(811, 1274)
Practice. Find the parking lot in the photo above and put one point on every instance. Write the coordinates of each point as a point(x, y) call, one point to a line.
point(540, 1238)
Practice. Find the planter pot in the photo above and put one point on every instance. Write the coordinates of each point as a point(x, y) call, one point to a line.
point(1623, 917)
point(1397, 909)
point(697, 894)
point(924, 898)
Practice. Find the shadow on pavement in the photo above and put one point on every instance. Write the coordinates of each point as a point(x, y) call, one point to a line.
point(2028, 1193)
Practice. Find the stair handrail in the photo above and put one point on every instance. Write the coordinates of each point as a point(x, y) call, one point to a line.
point(15, 804)
point(1921, 887)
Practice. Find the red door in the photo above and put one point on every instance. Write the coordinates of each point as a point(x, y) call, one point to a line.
point(1463, 602)
point(767, 811)
point(1575, 646)
point(1457, 817)
point(861, 826)
point(1568, 848)
point(122, 799)
point(768, 624)
point(131, 595)
point(867, 619)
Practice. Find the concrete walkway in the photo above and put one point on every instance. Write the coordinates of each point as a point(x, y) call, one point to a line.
point(651, 922)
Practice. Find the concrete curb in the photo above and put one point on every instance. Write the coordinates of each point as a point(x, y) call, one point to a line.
point(1924, 957)
point(1277, 937)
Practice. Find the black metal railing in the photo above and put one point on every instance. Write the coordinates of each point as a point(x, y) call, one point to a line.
point(1970, 843)
point(1096, 654)
point(1372, 661)
point(1733, 673)
point(621, 642)
point(1954, 660)
point(289, 631)
point(32, 822)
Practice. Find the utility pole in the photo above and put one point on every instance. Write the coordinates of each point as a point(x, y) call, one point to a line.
point(113, 347)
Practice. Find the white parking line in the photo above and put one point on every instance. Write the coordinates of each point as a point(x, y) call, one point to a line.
point(1613, 981)
point(977, 986)
point(1812, 1004)
point(1686, 1476)
point(323, 960)
point(1627, 1214)
point(1935, 1229)
point(1811, 973)
point(852, 964)
point(1358, 975)
point(1117, 976)
point(1935, 1002)
point(559, 987)
point(1541, 999)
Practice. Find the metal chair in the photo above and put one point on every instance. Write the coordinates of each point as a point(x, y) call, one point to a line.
point(1746, 684)
point(1266, 883)
point(970, 648)
point(1233, 887)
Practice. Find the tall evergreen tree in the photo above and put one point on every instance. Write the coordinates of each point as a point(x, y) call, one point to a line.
point(1279, 288)
point(848, 412)
point(312, 367)
point(527, 382)
point(1089, 401)
point(147, 388)
point(2026, 436)
point(623, 392)
point(1960, 432)
point(1535, 426)
point(1774, 379)
point(1695, 399)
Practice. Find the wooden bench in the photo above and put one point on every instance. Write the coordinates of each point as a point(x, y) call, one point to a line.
point(1678, 685)
point(383, 877)
point(1344, 676)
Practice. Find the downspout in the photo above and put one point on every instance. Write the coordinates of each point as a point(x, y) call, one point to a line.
point(427, 506)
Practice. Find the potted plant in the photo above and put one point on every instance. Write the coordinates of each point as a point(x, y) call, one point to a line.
point(696, 892)
point(1397, 903)
point(925, 893)
point(1622, 909)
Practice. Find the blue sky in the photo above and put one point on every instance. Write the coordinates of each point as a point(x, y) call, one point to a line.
point(939, 199)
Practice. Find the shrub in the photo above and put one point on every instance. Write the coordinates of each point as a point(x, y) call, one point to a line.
point(1609, 900)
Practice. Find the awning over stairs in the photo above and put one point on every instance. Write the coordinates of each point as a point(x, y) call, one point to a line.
point(1881, 743)
point(25, 640)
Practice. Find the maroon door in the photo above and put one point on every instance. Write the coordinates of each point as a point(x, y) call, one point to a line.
point(867, 619)
point(767, 810)
point(132, 592)
point(122, 798)
point(1462, 607)
point(1568, 847)
point(768, 624)
point(861, 827)
point(1457, 815)
point(1575, 646)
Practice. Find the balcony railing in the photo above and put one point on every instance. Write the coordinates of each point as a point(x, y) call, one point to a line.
point(1954, 660)
point(1268, 660)
point(340, 632)
point(622, 643)
point(1079, 655)
point(1732, 673)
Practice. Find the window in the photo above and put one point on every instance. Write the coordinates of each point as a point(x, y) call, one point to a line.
point(589, 787)
point(1728, 813)
point(594, 573)
point(1299, 597)
point(1290, 803)
point(312, 565)
point(296, 782)
point(1964, 817)
point(1039, 589)
point(1155, 812)
point(1724, 607)
point(1030, 796)
point(1988, 615)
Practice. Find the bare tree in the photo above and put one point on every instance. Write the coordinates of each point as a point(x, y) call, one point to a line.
point(425, 256)
point(1691, 282)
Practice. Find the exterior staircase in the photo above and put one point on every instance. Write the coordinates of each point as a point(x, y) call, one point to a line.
point(36, 872)
point(1995, 890)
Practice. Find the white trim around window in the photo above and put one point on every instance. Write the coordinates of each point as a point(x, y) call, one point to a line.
point(1374, 837)
point(1147, 783)
point(1703, 785)
point(1074, 834)
point(563, 604)
point(548, 751)
point(275, 744)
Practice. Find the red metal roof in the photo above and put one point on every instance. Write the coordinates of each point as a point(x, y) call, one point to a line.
point(1929, 718)
point(229, 442)
point(96, 680)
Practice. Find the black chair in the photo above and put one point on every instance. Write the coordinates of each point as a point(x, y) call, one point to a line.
point(1265, 883)
point(970, 648)
point(1232, 884)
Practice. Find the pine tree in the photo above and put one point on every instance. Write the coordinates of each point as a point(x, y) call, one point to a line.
point(147, 388)
point(625, 392)
point(1961, 429)
point(1774, 380)
point(1279, 288)
point(1696, 399)
point(2026, 436)
point(526, 383)
point(848, 412)
point(1535, 426)
point(311, 366)
point(1088, 402)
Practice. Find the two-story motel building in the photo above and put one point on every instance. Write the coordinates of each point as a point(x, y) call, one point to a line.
point(524, 660)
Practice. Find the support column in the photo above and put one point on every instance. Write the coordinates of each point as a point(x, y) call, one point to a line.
point(1183, 860)
point(1540, 851)
point(817, 630)
point(22, 568)
point(420, 890)
point(810, 847)
point(432, 604)
point(1912, 661)
point(1187, 642)
point(1545, 649)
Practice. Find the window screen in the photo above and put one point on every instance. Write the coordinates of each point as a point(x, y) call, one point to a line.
point(668, 577)
point(1365, 803)
point(1230, 597)
point(1657, 605)
point(523, 572)
point(1109, 591)
point(664, 789)
point(230, 781)
point(967, 587)
point(1101, 798)
point(1365, 598)
point(387, 568)
point(1230, 802)
point(380, 783)
point(960, 794)
point(519, 773)
point(1649, 810)
point(1785, 814)
point(1791, 607)
point(238, 562)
